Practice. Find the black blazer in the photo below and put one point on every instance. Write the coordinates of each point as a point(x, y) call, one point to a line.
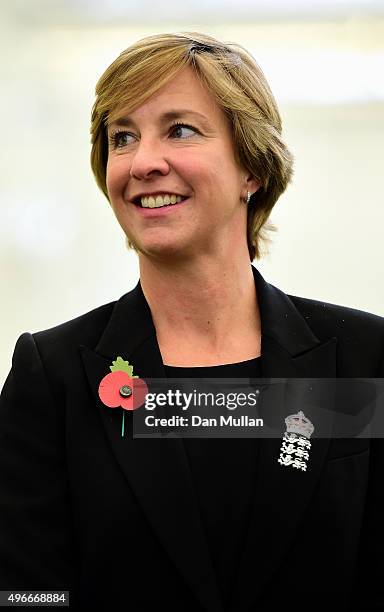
point(114, 520)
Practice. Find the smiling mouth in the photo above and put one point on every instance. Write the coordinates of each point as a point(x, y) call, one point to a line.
point(158, 201)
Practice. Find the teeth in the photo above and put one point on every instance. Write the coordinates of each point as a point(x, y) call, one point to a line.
point(151, 202)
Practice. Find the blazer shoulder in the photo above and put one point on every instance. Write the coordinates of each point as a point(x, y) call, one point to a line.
point(83, 329)
point(358, 332)
point(337, 314)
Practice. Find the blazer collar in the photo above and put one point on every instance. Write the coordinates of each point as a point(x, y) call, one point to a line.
point(158, 471)
point(289, 347)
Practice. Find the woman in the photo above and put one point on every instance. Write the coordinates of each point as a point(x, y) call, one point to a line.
point(187, 148)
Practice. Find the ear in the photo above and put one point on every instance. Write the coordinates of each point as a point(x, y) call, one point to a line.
point(253, 184)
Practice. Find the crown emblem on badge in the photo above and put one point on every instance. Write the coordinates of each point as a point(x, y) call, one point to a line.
point(299, 424)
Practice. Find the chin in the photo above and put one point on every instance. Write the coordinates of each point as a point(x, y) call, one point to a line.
point(166, 254)
point(164, 245)
point(160, 249)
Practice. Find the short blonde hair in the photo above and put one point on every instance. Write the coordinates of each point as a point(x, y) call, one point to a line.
point(240, 88)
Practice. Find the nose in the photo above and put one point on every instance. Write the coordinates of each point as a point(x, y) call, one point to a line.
point(148, 160)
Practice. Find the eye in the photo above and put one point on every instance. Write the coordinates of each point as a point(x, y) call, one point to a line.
point(120, 139)
point(177, 129)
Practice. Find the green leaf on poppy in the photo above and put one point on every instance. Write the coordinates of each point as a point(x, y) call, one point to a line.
point(120, 365)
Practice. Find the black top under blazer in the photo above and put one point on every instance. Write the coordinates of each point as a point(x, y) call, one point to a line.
point(114, 520)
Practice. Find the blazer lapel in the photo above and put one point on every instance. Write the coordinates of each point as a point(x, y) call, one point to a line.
point(157, 469)
point(289, 349)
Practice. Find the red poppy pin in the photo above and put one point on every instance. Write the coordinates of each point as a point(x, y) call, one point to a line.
point(121, 388)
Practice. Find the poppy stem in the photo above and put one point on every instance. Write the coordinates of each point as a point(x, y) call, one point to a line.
point(122, 424)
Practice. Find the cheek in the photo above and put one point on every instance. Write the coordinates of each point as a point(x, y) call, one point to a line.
point(187, 167)
point(116, 177)
point(200, 170)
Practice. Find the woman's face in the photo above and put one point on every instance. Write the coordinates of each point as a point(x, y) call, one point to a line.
point(178, 143)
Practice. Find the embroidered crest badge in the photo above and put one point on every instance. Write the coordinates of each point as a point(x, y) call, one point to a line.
point(295, 447)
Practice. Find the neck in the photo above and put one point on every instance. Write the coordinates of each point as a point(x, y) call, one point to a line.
point(210, 301)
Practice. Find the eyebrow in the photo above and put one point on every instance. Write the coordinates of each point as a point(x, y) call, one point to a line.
point(168, 116)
